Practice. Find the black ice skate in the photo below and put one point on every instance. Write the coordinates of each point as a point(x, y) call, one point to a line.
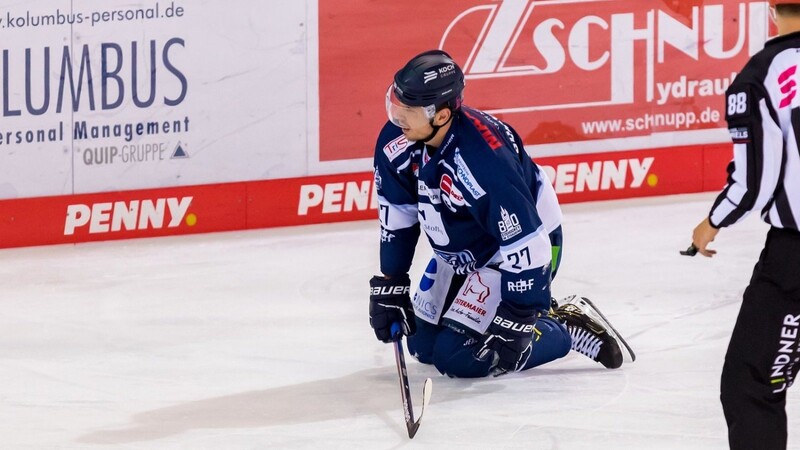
point(592, 334)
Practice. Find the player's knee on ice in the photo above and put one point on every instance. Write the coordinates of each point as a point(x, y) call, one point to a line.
point(454, 356)
point(420, 344)
point(453, 353)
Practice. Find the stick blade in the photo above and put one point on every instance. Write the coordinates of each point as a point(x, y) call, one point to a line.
point(427, 389)
point(412, 429)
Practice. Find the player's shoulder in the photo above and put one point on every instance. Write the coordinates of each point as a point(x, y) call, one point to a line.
point(391, 142)
point(486, 142)
point(757, 68)
point(479, 130)
point(481, 160)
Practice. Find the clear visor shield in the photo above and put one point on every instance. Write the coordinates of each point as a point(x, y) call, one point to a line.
point(407, 116)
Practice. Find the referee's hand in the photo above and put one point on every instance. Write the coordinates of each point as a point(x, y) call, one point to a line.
point(703, 235)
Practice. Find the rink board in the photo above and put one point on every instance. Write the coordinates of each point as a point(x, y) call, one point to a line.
point(330, 198)
point(148, 118)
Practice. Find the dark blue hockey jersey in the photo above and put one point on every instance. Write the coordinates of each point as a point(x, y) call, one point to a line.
point(480, 200)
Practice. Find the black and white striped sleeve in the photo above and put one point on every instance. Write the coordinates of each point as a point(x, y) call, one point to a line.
point(755, 169)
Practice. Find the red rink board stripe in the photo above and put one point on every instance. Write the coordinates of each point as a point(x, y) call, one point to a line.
point(330, 198)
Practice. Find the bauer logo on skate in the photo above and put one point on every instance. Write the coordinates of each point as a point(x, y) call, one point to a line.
point(134, 215)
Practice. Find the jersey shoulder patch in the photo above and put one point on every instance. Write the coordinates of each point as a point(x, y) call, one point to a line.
point(395, 147)
point(739, 135)
point(741, 107)
point(738, 101)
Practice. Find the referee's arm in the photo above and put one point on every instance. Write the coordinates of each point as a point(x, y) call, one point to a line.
point(754, 171)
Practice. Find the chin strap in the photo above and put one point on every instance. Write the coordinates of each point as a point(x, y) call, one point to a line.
point(436, 128)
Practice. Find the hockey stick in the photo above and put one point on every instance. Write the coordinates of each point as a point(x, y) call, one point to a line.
point(405, 391)
point(691, 251)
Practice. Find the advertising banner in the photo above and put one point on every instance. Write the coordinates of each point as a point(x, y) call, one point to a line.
point(141, 118)
point(122, 215)
point(571, 76)
point(330, 198)
point(102, 95)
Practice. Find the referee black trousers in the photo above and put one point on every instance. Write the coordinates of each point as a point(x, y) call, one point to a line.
point(763, 352)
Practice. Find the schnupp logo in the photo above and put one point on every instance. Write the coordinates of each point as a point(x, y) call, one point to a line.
point(617, 46)
point(134, 215)
point(628, 173)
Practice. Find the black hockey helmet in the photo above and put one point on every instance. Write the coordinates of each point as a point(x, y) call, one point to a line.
point(430, 78)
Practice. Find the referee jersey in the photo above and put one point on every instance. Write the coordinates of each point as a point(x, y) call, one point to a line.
point(763, 115)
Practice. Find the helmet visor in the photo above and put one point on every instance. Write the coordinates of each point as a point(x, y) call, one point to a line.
point(405, 116)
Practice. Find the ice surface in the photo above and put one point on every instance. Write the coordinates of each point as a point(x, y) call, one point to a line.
point(260, 339)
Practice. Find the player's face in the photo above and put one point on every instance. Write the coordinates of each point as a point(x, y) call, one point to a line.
point(415, 121)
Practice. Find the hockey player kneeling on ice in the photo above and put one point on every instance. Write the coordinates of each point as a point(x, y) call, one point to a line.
point(491, 216)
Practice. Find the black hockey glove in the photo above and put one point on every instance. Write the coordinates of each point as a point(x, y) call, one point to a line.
point(509, 335)
point(389, 302)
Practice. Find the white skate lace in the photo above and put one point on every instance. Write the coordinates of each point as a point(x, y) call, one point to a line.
point(585, 342)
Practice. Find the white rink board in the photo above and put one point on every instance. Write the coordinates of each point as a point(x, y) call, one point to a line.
point(234, 80)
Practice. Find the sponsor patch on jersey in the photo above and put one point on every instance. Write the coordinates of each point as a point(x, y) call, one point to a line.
point(426, 307)
point(521, 285)
point(467, 179)
point(424, 191)
point(395, 147)
point(475, 289)
point(451, 196)
point(739, 135)
point(509, 225)
point(429, 276)
point(788, 86)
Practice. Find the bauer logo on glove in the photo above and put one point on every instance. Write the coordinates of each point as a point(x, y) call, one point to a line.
point(389, 303)
point(514, 326)
point(389, 290)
